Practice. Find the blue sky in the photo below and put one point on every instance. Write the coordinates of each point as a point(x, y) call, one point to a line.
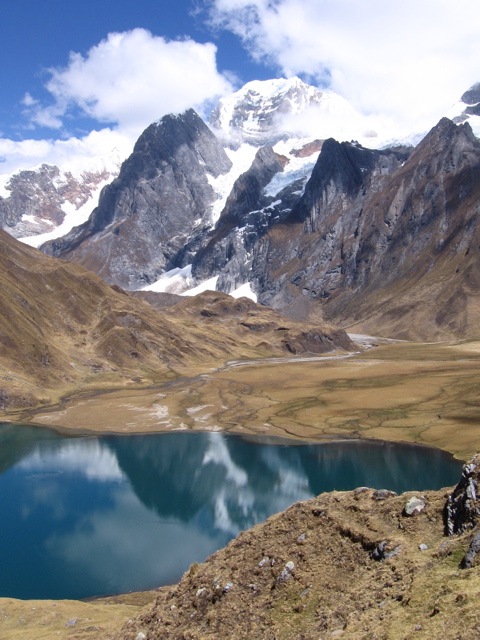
point(36, 35)
point(79, 79)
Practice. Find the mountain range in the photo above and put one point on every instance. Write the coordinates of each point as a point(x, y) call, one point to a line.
point(328, 233)
point(375, 240)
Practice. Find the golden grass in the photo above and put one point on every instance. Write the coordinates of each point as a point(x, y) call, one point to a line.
point(423, 393)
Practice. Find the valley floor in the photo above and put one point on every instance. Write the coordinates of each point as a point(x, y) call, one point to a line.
point(399, 391)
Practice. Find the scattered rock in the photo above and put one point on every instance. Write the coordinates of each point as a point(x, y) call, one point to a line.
point(141, 636)
point(286, 572)
point(301, 539)
point(383, 494)
point(228, 587)
point(71, 623)
point(413, 506)
point(471, 554)
point(422, 547)
point(265, 561)
point(379, 553)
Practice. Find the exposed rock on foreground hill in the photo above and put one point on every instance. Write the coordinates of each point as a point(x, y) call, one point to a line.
point(354, 565)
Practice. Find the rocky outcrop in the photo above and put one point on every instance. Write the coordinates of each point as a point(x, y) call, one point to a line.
point(160, 201)
point(462, 511)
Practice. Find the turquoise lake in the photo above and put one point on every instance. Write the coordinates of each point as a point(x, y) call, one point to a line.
point(89, 516)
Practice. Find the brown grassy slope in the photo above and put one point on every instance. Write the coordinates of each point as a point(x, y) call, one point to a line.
point(335, 589)
point(62, 329)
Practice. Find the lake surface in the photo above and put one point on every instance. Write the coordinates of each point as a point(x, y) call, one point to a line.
point(104, 515)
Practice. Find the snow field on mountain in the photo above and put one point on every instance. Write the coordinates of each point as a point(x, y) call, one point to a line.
point(73, 218)
point(241, 159)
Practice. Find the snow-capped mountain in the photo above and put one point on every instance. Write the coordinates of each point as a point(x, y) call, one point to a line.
point(264, 112)
point(254, 206)
point(43, 203)
point(467, 109)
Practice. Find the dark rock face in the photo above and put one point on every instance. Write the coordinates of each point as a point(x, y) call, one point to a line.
point(376, 232)
point(471, 100)
point(246, 216)
point(462, 510)
point(160, 200)
point(472, 96)
point(39, 195)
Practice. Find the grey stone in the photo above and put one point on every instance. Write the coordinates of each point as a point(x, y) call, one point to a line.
point(472, 552)
point(462, 509)
point(413, 506)
point(286, 572)
point(383, 494)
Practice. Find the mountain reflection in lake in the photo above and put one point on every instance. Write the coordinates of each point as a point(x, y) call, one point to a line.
point(91, 516)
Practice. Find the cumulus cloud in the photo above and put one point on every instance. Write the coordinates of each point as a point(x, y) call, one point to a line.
point(131, 79)
point(127, 81)
point(409, 60)
point(104, 149)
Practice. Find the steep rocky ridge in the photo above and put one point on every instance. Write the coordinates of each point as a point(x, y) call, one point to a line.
point(63, 330)
point(389, 251)
point(366, 238)
point(160, 200)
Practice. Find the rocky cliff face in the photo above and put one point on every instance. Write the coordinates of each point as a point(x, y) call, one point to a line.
point(37, 200)
point(392, 250)
point(161, 200)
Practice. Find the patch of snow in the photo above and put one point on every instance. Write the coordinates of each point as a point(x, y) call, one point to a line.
point(4, 179)
point(242, 159)
point(173, 281)
point(73, 218)
point(207, 285)
point(244, 291)
point(28, 218)
point(457, 110)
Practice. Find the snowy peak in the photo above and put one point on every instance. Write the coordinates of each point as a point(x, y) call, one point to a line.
point(254, 113)
point(265, 112)
point(38, 201)
point(468, 109)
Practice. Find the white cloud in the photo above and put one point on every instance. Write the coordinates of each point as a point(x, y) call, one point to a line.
point(128, 80)
point(133, 78)
point(95, 151)
point(409, 60)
